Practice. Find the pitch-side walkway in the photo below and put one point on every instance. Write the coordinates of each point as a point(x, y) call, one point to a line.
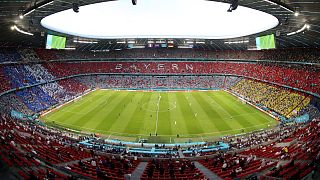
point(209, 174)
point(137, 173)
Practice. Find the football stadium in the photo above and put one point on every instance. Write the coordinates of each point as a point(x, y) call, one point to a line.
point(160, 89)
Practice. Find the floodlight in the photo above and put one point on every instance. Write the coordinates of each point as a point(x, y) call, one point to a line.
point(75, 7)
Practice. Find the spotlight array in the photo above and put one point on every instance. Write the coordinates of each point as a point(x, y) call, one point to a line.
point(306, 26)
point(233, 6)
point(75, 7)
point(14, 27)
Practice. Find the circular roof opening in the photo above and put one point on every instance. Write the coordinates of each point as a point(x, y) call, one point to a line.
point(160, 19)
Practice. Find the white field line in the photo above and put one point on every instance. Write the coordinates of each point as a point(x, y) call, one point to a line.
point(158, 104)
point(60, 106)
point(122, 133)
point(260, 109)
point(200, 134)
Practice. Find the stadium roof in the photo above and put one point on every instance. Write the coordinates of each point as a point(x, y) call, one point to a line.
point(282, 9)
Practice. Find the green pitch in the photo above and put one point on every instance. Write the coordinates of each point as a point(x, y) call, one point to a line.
point(136, 114)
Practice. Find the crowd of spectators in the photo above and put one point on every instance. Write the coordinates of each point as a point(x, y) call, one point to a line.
point(281, 100)
point(28, 55)
point(153, 82)
point(9, 55)
point(36, 99)
point(104, 167)
point(42, 144)
point(25, 144)
point(53, 89)
point(171, 169)
point(11, 102)
point(230, 166)
point(304, 77)
point(294, 55)
point(43, 96)
point(311, 110)
point(5, 84)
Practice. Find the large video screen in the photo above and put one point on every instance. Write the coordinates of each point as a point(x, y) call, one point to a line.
point(266, 42)
point(55, 42)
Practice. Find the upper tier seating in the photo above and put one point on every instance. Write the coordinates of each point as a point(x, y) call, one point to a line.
point(298, 54)
point(9, 55)
point(297, 76)
point(303, 77)
point(5, 84)
point(36, 99)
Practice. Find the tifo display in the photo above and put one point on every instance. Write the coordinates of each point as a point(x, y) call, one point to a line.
point(174, 114)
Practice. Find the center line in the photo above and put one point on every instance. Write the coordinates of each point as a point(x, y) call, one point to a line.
point(158, 104)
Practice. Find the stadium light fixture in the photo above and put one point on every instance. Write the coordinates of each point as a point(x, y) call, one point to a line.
point(296, 14)
point(70, 48)
point(101, 50)
point(85, 42)
point(200, 42)
point(50, 2)
point(236, 42)
point(306, 26)
point(38, 5)
point(14, 27)
point(233, 6)
point(29, 12)
point(185, 47)
point(75, 7)
point(138, 47)
point(274, 3)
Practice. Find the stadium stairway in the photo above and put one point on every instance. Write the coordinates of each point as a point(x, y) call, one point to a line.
point(137, 173)
point(181, 155)
point(209, 174)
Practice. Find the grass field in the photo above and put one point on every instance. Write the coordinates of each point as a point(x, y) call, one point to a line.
point(136, 114)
